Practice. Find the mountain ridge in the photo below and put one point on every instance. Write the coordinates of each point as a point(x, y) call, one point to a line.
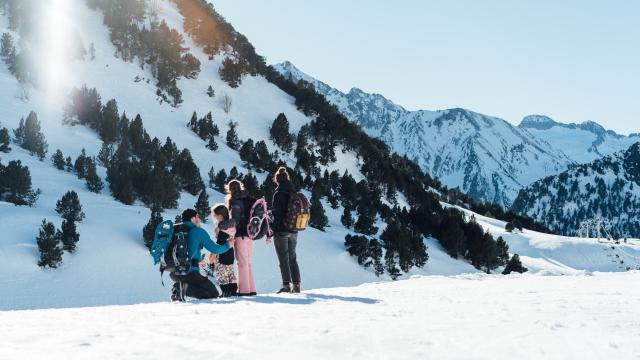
point(496, 158)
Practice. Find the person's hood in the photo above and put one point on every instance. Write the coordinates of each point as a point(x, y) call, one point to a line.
point(188, 224)
point(242, 194)
point(286, 187)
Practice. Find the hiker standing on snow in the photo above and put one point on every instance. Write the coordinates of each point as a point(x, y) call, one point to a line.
point(239, 203)
point(194, 284)
point(225, 271)
point(285, 240)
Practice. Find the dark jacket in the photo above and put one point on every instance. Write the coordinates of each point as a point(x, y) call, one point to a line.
point(280, 206)
point(224, 231)
point(240, 208)
point(198, 239)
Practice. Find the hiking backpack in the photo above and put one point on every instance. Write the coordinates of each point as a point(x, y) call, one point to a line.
point(170, 248)
point(259, 219)
point(298, 214)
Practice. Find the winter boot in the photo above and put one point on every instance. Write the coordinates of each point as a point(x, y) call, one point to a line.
point(233, 289)
point(296, 288)
point(286, 288)
point(178, 292)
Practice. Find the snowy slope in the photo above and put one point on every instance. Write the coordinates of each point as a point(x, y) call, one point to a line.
point(477, 316)
point(486, 157)
point(547, 254)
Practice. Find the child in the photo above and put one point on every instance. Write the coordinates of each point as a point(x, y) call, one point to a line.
point(225, 272)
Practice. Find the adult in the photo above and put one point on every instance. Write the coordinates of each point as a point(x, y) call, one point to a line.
point(194, 284)
point(239, 203)
point(285, 239)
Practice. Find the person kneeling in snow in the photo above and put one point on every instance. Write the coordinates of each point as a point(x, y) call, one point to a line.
point(194, 284)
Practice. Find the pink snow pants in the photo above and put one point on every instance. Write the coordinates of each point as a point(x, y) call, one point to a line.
point(244, 252)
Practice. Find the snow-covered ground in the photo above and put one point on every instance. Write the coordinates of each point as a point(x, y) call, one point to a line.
point(460, 317)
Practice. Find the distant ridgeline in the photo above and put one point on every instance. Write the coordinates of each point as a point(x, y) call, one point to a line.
point(608, 188)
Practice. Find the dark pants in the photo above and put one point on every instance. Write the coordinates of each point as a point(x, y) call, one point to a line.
point(285, 244)
point(198, 286)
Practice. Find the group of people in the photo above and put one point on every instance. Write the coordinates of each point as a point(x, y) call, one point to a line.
point(232, 244)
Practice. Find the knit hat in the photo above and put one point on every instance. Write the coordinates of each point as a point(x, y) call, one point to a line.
point(188, 214)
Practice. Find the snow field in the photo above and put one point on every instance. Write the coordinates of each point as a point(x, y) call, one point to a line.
point(460, 317)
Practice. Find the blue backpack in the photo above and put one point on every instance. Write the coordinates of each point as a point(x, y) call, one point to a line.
point(170, 249)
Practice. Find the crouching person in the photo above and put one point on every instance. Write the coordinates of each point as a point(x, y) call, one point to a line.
point(194, 284)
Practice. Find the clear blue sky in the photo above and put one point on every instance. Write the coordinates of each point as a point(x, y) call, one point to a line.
point(572, 60)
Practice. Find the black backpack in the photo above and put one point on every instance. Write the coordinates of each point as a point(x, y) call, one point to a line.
point(241, 224)
point(175, 257)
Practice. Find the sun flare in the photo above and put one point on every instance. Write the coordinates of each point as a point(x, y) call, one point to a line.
point(56, 44)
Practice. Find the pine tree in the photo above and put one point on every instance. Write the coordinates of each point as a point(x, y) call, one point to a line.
point(263, 160)
point(318, 218)
point(509, 227)
point(250, 184)
point(29, 136)
point(375, 252)
point(247, 153)
point(234, 174)
point(212, 178)
point(210, 92)
point(358, 246)
point(280, 134)
point(148, 232)
point(231, 72)
point(268, 188)
point(80, 165)
point(503, 251)
point(366, 221)
point(232, 136)
point(94, 183)
point(109, 122)
point(346, 219)
point(68, 164)
point(187, 171)
point(58, 160)
point(390, 264)
point(105, 154)
point(7, 49)
point(212, 145)
point(514, 265)
point(49, 246)
point(69, 207)
point(69, 236)
point(193, 123)
point(15, 184)
point(202, 205)
point(119, 174)
point(5, 140)
point(220, 180)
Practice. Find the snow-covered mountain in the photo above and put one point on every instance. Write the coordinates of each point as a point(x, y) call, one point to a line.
point(582, 143)
point(607, 188)
point(485, 156)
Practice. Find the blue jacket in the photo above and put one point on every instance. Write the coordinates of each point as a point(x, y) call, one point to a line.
point(198, 239)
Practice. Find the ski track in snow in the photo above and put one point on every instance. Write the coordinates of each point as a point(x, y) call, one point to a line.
point(460, 317)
